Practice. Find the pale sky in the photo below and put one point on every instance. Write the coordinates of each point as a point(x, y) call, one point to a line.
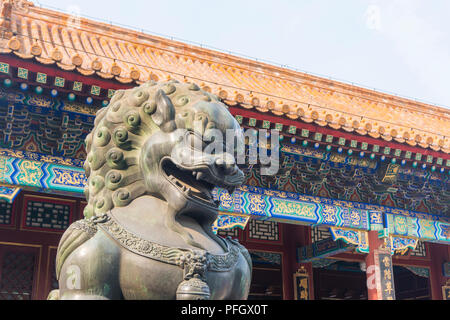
point(395, 46)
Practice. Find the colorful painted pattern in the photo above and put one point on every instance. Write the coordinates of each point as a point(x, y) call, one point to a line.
point(359, 238)
point(26, 100)
point(273, 204)
point(4, 67)
point(401, 244)
point(34, 156)
point(418, 228)
point(333, 157)
point(8, 193)
point(358, 188)
point(43, 124)
point(321, 249)
point(373, 210)
point(41, 175)
point(227, 221)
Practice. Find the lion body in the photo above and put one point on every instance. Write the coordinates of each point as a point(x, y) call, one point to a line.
point(121, 274)
point(144, 235)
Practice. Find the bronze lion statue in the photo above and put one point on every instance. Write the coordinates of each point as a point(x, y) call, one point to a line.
point(147, 231)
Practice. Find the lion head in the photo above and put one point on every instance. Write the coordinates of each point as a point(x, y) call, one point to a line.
point(150, 140)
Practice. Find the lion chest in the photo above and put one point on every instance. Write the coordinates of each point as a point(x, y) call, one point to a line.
point(142, 278)
point(151, 270)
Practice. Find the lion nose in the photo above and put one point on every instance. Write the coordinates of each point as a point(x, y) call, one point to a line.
point(227, 166)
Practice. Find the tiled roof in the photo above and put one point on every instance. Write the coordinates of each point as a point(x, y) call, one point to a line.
point(110, 52)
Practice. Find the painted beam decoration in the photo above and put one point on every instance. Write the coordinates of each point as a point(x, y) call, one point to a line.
point(429, 230)
point(350, 220)
point(8, 193)
point(229, 221)
point(374, 212)
point(321, 249)
point(267, 204)
point(401, 244)
point(349, 223)
point(333, 157)
point(358, 238)
point(41, 175)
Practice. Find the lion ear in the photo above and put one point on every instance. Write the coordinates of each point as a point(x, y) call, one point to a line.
point(164, 115)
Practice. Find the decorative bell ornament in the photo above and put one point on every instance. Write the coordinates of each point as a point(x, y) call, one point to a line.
point(193, 289)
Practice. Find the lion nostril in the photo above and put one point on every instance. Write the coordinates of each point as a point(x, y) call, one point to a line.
point(219, 162)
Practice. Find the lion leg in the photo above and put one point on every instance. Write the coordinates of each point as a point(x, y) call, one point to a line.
point(91, 271)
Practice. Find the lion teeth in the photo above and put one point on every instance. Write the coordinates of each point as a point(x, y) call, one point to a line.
point(200, 175)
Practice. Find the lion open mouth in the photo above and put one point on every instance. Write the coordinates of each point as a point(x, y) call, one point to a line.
point(190, 182)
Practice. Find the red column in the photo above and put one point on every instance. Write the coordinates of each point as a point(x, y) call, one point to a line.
point(294, 236)
point(374, 244)
point(439, 254)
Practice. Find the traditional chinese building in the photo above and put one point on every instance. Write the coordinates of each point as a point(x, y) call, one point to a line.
point(359, 209)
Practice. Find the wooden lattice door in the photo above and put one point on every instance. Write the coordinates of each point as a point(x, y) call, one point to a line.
point(17, 272)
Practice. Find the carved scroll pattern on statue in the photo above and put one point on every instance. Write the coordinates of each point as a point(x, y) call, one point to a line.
point(225, 261)
point(85, 226)
point(141, 246)
point(183, 258)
